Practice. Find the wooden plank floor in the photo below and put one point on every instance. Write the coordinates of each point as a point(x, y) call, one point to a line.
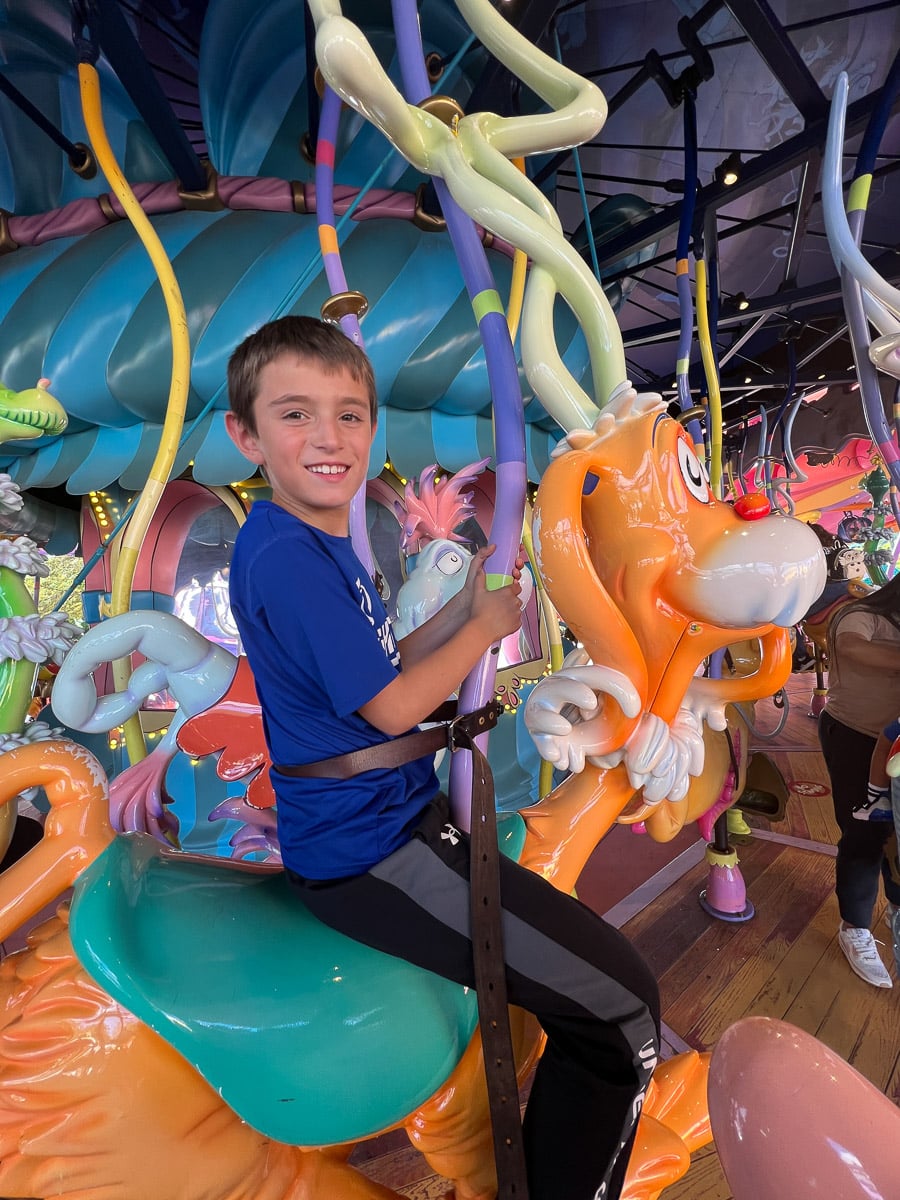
point(790, 965)
point(783, 963)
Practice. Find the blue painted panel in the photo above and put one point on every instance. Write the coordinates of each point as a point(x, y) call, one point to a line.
point(218, 460)
point(88, 333)
point(103, 463)
point(17, 271)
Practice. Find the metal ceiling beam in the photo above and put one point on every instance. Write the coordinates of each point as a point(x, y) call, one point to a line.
point(653, 68)
point(817, 22)
point(823, 345)
point(793, 298)
point(780, 55)
point(806, 194)
point(743, 339)
point(763, 168)
point(765, 385)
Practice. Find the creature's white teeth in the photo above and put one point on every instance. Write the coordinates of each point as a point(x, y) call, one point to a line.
point(328, 470)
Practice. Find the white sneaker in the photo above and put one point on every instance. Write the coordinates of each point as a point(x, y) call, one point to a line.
point(861, 952)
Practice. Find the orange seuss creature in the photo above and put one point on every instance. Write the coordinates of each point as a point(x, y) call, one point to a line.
point(653, 575)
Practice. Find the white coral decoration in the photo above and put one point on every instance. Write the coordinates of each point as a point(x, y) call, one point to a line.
point(37, 731)
point(623, 405)
point(37, 639)
point(10, 497)
point(660, 758)
point(25, 556)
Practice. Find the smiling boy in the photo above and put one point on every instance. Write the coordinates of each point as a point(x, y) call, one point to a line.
point(365, 851)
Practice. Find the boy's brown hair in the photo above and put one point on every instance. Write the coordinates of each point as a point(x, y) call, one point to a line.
point(306, 337)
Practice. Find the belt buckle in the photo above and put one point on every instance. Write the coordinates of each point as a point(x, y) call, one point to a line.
point(483, 719)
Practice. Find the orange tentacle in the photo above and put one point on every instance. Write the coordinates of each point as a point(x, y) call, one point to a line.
point(76, 831)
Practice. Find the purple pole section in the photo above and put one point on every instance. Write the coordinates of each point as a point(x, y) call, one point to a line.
point(509, 425)
point(325, 152)
point(337, 281)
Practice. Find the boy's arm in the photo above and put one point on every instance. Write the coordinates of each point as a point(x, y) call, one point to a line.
point(436, 631)
point(427, 680)
point(449, 620)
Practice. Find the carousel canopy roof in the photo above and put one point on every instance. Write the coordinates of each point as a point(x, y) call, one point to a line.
point(186, 81)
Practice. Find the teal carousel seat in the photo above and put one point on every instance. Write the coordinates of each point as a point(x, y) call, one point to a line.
point(312, 1038)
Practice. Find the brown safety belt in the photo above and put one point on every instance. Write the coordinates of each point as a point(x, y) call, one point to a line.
point(490, 978)
point(487, 935)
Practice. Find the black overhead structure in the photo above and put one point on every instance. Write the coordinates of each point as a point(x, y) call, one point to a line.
point(765, 167)
point(780, 55)
point(761, 73)
point(107, 27)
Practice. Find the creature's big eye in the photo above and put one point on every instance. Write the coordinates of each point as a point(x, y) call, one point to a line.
point(449, 562)
point(693, 473)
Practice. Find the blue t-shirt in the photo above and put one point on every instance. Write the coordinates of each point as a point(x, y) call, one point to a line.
point(320, 645)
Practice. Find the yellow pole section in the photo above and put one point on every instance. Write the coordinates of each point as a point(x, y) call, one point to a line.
point(707, 353)
point(517, 283)
point(554, 638)
point(133, 535)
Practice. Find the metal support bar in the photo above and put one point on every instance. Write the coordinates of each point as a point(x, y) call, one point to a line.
point(35, 115)
point(653, 67)
point(781, 56)
point(823, 345)
point(743, 339)
point(667, 331)
point(764, 167)
point(806, 194)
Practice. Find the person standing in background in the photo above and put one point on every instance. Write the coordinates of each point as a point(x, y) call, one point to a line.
point(863, 698)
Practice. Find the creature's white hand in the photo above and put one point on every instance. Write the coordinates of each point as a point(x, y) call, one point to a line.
point(704, 699)
point(660, 758)
point(565, 713)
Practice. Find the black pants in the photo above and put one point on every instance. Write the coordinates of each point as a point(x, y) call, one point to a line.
point(865, 847)
point(592, 993)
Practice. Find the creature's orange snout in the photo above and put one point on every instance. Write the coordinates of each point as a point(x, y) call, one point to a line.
point(752, 507)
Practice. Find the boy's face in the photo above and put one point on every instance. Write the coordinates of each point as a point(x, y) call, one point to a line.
point(313, 435)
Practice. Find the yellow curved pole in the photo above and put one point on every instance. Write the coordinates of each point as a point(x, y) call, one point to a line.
point(133, 536)
point(732, 486)
point(517, 283)
point(712, 381)
point(554, 638)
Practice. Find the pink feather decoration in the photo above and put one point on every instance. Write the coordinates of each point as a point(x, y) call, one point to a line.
point(437, 509)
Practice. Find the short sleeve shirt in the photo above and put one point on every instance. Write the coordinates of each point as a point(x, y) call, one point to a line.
point(864, 699)
point(320, 645)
